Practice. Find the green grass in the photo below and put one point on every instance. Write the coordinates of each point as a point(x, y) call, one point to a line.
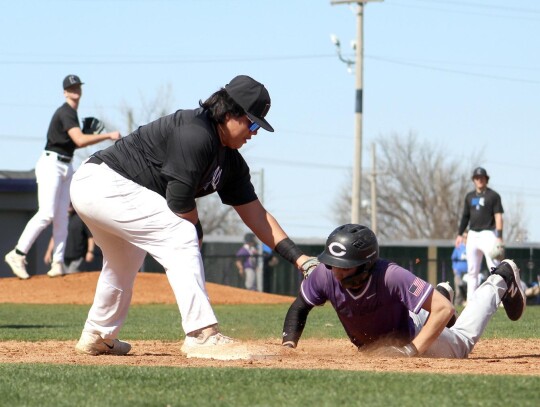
point(61, 385)
point(162, 322)
point(70, 385)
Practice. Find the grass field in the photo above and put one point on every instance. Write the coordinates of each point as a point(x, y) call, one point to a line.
point(73, 385)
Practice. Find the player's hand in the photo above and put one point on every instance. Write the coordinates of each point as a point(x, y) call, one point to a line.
point(308, 266)
point(407, 351)
point(115, 135)
point(459, 240)
point(47, 258)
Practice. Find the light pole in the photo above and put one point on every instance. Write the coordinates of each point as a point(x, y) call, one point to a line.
point(357, 169)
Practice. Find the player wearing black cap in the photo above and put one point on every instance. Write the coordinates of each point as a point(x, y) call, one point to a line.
point(53, 174)
point(138, 197)
point(483, 214)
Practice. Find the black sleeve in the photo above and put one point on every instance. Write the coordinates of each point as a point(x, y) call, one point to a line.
point(179, 197)
point(69, 119)
point(497, 206)
point(295, 321)
point(237, 189)
point(465, 217)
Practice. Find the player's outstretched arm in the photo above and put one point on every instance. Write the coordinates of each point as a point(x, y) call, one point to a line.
point(295, 321)
point(83, 140)
point(268, 230)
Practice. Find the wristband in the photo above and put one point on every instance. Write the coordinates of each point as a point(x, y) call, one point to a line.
point(198, 228)
point(499, 233)
point(288, 250)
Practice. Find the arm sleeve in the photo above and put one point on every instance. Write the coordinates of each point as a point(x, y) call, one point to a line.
point(295, 321)
point(498, 208)
point(464, 218)
point(180, 197)
point(69, 119)
point(237, 189)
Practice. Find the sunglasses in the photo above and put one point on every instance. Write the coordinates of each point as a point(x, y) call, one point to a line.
point(252, 125)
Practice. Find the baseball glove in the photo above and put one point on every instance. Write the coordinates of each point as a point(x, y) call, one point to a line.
point(308, 266)
point(91, 125)
point(497, 252)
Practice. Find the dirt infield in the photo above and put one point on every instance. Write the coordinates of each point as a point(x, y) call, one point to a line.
point(150, 288)
point(493, 356)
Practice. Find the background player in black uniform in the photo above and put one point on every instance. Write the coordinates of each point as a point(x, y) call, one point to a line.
point(138, 197)
point(80, 245)
point(483, 214)
point(53, 175)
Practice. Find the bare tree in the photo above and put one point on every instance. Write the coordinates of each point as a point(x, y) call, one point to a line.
point(217, 218)
point(420, 192)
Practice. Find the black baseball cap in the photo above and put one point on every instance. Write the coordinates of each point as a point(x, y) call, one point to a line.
point(480, 172)
point(71, 80)
point(253, 97)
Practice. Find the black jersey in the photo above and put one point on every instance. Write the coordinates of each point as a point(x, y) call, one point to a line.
point(182, 147)
point(77, 241)
point(479, 210)
point(58, 140)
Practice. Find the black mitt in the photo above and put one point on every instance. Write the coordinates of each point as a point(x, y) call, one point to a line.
point(91, 125)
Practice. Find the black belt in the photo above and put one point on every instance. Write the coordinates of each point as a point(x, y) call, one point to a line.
point(62, 158)
point(94, 160)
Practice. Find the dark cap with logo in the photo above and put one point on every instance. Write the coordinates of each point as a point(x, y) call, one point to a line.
point(480, 172)
point(71, 80)
point(253, 97)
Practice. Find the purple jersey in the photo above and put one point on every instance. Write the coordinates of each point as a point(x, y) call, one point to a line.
point(246, 255)
point(380, 309)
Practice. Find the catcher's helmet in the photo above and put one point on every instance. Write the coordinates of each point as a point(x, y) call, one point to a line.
point(351, 246)
point(480, 172)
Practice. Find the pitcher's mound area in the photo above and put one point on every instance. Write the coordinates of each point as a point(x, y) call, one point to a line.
point(150, 288)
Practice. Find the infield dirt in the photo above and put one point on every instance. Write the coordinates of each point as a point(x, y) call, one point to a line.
point(490, 356)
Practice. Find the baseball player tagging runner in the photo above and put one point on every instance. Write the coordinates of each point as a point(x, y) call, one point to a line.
point(138, 197)
point(388, 310)
point(53, 174)
point(483, 214)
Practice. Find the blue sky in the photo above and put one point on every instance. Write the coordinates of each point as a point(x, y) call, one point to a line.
point(462, 74)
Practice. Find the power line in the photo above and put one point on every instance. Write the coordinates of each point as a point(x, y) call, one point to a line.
point(480, 5)
point(495, 9)
point(456, 71)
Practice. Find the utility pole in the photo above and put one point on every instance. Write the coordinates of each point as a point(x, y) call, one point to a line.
point(356, 203)
point(373, 190)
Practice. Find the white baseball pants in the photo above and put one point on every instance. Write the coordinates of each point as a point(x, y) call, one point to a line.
point(459, 340)
point(479, 244)
point(53, 178)
point(127, 221)
point(250, 279)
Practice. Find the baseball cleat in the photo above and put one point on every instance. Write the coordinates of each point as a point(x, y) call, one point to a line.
point(93, 344)
point(448, 292)
point(57, 269)
point(199, 341)
point(17, 263)
point(514, 300)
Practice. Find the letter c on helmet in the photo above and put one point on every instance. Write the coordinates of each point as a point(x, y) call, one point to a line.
point(337, 249)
